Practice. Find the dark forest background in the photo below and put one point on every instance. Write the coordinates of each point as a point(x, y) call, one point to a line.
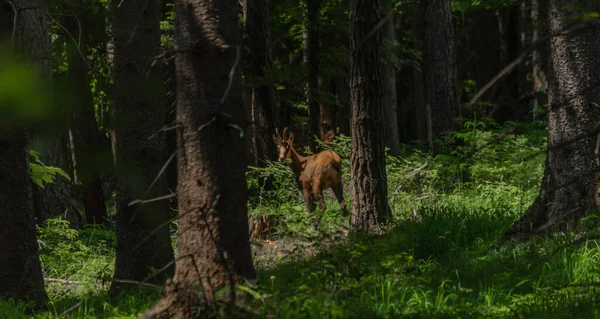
point(140, 170)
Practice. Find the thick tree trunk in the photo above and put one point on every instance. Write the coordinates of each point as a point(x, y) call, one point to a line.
point(212, 244)
point(367, 157)
point(20, 270)
point(90, 156)
point(313, 66)
point(143, 240)
point(439, 67)
point(256, 20)
point(389, 101)
point(571, 179)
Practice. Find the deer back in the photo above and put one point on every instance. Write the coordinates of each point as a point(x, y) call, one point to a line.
point(322, 168)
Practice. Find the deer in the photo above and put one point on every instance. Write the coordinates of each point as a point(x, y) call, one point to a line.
point(314, 173)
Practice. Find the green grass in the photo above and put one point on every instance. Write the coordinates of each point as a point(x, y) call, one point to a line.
point(449, 264)
point(445, 266)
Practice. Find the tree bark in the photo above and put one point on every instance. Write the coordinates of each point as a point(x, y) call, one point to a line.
point(418, 83)
point(256, 23)
point(56, 199)
point(213, 241)
point(313, 66)
point(20, 270)
point(389, 101)
point(439, 67)
point(367, 157)
point(142, 230)
point(571, 179)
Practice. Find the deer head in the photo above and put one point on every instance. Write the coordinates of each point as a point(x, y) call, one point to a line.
point(284, 144)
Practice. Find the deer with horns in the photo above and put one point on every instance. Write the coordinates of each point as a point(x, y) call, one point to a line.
point(314, 173)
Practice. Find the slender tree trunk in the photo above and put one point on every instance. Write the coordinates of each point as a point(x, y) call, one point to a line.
point(418, 83)
point(342, 109)
point(143, 240)
point(389, 101)
point(56, 199)
point(20, 270)
point(212, 244)
point(537, 69)
point(367, 157)
point(256, 20)
point(439, 66)
point(327, 111)
point(90, 157)
point(313, 66)
point(571, 179)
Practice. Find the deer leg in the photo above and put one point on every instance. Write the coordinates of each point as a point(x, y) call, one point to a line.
point(338, 190)
point(319, 199)
point(308, 201)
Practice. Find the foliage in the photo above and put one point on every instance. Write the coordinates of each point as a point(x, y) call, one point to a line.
point(84, 261)
point(42, 174)
point(17, 103)
point(445, 261)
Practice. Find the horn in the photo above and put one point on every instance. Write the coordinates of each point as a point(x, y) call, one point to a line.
point(284, 131)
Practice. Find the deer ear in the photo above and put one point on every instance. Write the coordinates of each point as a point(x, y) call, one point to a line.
point(291, 138)
point(275, 139)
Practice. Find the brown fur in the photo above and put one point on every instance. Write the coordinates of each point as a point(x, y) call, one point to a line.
point(314, 173)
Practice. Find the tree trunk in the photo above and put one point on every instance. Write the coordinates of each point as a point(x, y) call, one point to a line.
point(389, 101)
point(90, 157)
point(256, 20)
point(570, 183)
point(56, 199)
point(20, 270)
point(419, 89)
point(342, 107)
point(327, 112)
point(212, 244)
point(142, 229)
point(367, 157)
point(312, 64)
point(439, 66)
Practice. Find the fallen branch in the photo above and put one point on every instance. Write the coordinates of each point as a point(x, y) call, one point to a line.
point(62, 281)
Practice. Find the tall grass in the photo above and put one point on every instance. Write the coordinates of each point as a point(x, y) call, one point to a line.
point(447, 263)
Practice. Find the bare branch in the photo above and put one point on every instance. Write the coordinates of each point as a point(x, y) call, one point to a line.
point(135, 282)
point(75, 41)
point(14, 23)
point(162, 170)
point(156, 199)
point(165, 128)
point(238, 57)
point(237, 127)
point(379, 25)
point(522, 56)
point(62, 281)
point(70, 309)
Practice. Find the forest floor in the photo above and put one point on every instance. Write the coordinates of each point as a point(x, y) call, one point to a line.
point(448, 263)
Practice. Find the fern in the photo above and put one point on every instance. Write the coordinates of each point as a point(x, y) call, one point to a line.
point(42, 174)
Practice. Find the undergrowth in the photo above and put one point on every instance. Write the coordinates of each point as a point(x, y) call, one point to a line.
point(442, 257)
